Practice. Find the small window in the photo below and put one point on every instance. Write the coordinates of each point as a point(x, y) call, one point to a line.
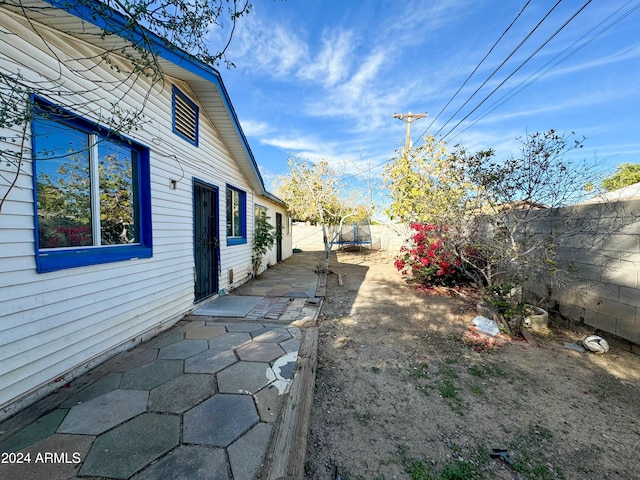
point(236, 216)
point(185, 117)
point(92, 192)
point(260, 213)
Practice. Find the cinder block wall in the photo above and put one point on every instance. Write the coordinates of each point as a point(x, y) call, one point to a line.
point(598, 249)
point(383, 237)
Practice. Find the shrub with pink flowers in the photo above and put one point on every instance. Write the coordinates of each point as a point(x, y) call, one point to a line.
point(428, 260)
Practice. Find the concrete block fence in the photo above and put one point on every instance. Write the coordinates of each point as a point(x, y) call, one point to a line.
point(598, 248)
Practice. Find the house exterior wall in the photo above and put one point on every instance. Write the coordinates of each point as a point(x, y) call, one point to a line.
point(286, 234)
point(55, 325)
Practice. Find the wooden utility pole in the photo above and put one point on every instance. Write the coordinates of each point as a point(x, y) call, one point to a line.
point(409, 118)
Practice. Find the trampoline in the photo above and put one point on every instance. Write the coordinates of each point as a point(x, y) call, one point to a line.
point(353, 235)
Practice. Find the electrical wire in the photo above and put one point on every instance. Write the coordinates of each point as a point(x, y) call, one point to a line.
point(517, 69)
point(606, 28)
point(513, 52)
point(555, 61)
point(495, 44)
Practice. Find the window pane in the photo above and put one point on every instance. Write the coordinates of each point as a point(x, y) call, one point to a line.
point(117, 194)
point(64, 185)
point(229, 212)
point(237, 227)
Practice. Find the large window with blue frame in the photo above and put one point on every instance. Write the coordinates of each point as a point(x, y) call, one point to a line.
point(92, 192)
point(236, 216)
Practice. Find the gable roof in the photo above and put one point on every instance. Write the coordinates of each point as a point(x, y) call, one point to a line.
point(84, 23)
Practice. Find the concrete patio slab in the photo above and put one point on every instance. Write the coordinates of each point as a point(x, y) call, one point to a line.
point(229, 341)
point(291, 345)
point(104, 412)
point(188, 462)
point(246, 327)
point(229, 306)
point(205, 333)
point(167, 339)
point(259, 352)
point(181, 393)
point(269, 402)
point(271, 334)
point(151, 375)
point(220, 420)
point(138, 359)
point(131, 446)
point(183, 349)
point(210, 361)
point(246, 454)
point(244, 377)
point(109, 382)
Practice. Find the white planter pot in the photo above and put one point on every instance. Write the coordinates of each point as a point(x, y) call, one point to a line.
point(537, 321)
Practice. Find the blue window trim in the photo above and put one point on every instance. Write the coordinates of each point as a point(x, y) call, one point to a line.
point(49, 260)
point(243, 218)
point(176, 92)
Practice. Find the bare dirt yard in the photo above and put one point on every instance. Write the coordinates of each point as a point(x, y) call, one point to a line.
point(399, 394)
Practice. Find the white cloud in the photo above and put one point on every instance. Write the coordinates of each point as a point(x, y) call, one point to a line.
point(293, 143)
point(267, 47)
point(253, 128)
point(629, 53)
point(331, 65)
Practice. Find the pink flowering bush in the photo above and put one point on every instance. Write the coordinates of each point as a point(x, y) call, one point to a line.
point(428, 260)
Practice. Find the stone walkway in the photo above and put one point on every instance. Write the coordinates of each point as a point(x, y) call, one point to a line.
point(288, 293)
point(200, 401)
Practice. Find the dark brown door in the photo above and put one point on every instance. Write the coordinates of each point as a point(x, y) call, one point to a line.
point(278, 237)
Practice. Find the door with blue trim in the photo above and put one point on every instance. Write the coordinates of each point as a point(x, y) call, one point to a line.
point(206, 243)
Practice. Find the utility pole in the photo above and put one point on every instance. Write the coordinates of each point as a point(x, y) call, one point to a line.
point(408, 118)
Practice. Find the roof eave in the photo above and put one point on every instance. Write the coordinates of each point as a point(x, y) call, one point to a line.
point(189, 69)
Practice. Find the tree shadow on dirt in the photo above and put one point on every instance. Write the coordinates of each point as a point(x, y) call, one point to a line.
point(398, 391)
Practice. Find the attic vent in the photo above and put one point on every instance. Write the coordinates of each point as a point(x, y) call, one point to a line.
point(185, 117)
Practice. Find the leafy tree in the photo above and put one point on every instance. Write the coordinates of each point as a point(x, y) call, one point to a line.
point(490, 207)
point(312, 192)
point(427, 184)
point(626, 174)
point(265, 236)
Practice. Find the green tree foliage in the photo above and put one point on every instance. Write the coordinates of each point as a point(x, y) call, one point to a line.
point(314, 193)
point(428, 184)
point(264, 237)
point(626, 174)
point(489, 206)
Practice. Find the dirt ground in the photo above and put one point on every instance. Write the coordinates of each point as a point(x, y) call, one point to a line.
point(399, 394)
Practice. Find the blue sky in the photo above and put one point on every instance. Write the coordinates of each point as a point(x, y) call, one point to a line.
point(323, 78)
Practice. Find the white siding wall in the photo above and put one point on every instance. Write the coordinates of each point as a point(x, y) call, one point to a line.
point(272, 208)
point(52, 324)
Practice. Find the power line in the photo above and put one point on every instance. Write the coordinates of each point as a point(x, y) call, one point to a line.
point(553, 63)
point(424, 38)
point(531, 56)
point(478, 65)
point(513, 52)
point(516, 70)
